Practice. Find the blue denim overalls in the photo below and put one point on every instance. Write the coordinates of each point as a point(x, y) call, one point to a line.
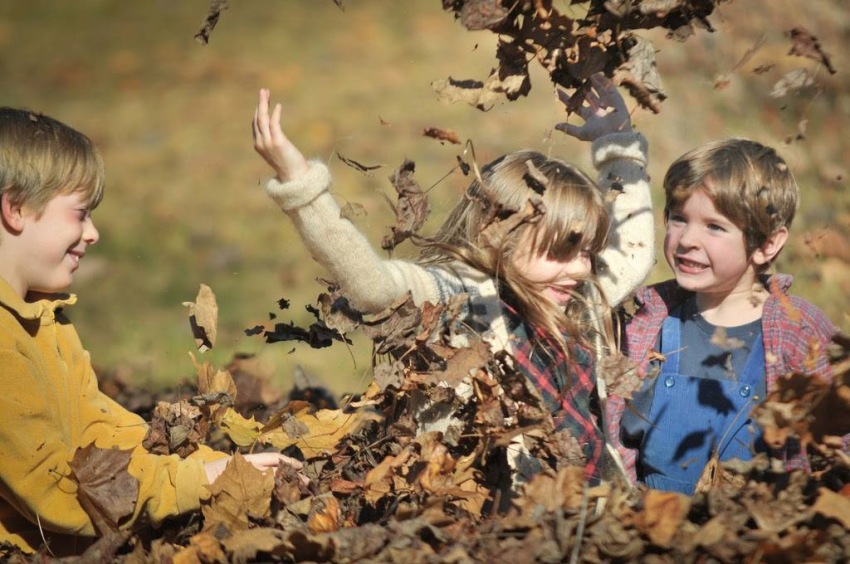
point(693, 418)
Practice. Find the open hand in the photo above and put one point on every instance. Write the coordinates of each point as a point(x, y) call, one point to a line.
point(270, 142)
point(603, 112)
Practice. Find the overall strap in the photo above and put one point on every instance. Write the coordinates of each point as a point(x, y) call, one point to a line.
point(671, 342)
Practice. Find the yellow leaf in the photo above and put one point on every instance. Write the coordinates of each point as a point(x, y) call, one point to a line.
point(243, 432)
point(325, 428)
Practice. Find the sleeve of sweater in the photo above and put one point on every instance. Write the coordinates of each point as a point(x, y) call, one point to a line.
point(47, 417)
point(370, 282)
point(621, 160)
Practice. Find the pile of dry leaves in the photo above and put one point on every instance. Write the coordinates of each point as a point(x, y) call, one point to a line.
point(415, 469)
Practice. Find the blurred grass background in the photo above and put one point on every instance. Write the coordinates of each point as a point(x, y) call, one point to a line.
point(184, 204)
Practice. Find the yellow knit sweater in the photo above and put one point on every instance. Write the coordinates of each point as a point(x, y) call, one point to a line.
point(50, 406)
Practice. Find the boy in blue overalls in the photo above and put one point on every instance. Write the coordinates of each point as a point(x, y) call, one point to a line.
point(725, 330)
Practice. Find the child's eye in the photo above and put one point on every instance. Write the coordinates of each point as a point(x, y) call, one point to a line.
point(716, 227)
point(675, 218)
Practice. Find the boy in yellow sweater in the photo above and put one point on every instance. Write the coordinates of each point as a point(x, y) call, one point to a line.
point(51, 178)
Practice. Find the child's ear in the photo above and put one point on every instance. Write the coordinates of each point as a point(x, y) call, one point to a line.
point(771, 246)
point(12, 215)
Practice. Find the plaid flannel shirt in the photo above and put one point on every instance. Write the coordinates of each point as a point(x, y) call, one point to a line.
point(790, 325)
point(567, 388)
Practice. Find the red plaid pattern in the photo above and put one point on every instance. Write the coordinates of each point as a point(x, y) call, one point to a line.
point(567, 387)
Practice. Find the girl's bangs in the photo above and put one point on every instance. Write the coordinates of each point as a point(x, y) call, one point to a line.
point(560, 235)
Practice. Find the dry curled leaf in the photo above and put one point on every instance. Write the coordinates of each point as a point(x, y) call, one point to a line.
point(211, 20)
point(105, 489)
point(805, 44)
point(203, 318)
point(412, 207)
point(441, 134)
point(241, 493)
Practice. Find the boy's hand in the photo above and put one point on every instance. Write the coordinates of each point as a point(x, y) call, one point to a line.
point(262, 461)
point(605, 111)
point(270, 142)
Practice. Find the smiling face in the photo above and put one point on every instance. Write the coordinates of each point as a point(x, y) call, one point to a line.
point(46, 248)
point(558, 277)
point(705, 250)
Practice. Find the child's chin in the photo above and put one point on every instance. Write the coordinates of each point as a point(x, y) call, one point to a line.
point(559, 300)
point(687, 283)
point(55, 288)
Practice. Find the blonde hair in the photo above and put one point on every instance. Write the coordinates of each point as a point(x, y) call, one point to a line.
point(41, 157)
point(749, 183)
point(526, 199)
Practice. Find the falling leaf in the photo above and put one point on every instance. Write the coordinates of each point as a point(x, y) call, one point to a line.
point(203, 318)
point(804, 44)
point(352, 211)
point(105, 490)
point(412, 207)
point(791, 82)
point(476, 15)
point(442, 134)
point(721, 340)
point(481, 95)
point(356, 165)
point(211, 20)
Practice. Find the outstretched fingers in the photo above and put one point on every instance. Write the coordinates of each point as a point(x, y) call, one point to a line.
point(603, 111)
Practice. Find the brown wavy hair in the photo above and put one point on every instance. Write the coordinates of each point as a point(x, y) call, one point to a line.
point(749, 183)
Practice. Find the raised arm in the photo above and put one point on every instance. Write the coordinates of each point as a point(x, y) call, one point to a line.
point(302, 189)
point(620, 157)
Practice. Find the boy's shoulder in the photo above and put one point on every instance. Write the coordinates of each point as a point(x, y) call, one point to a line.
point(661, 294)
point(793, 311)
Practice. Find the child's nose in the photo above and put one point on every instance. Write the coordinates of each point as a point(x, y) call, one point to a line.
point(579, 266)
point(687, 237)
point(90, 233)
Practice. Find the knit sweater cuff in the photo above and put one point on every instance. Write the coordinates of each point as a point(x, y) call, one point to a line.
point(629, 145)
point(302, 190)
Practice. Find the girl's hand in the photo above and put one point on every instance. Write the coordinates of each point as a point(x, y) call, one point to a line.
point(270, 142)
point(262, 461)
point(605, 111)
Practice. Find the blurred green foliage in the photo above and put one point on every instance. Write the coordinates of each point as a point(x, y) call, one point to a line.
point(184, 204)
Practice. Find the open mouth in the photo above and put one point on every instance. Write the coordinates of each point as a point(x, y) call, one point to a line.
point(76, 256)
point(559, 294)
point(689, 265)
